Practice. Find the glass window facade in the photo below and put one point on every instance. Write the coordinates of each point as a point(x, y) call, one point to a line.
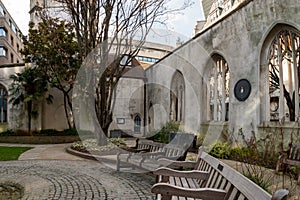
point(2, 11)
point(3, 104)
point(3, 32)
point(3, 51)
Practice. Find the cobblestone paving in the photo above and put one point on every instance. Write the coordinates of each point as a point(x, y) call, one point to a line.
point(75, 180)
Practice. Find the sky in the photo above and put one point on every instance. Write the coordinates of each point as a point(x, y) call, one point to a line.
point(182, 23)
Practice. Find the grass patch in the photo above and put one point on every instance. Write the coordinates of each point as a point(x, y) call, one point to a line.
point(12, 153)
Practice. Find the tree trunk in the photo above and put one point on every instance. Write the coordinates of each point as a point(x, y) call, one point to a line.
point(29, 112)
point(66, 111)
point(102, 139)
point(290, 103)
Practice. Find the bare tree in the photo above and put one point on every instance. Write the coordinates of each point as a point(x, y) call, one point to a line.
point(285, 49)
point(120, 26)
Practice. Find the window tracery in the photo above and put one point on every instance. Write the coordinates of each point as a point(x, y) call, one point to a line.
point(218, 90)
point(283, 64)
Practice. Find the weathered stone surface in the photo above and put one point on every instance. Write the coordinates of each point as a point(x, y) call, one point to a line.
point(241, 38)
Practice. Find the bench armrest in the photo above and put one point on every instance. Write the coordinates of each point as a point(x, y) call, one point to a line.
point(141, 150)
point(167, 157)
point(167, 190)
point(195, 174)
point(177, 164)
point(280, 194)
point(153, 155)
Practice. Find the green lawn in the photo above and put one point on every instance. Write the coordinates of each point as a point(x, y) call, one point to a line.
point(12, 153)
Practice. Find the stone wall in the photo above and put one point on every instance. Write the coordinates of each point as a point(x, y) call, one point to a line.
point(240, 38)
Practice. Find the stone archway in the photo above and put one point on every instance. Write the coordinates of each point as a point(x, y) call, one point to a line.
point(280, 63)
point(177, 97)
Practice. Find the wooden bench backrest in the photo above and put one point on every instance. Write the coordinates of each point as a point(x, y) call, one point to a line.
point(156, 146)
point(294, 152)
point(144, 144)
point(173, 151)
point(150, 145)
point(224, 177)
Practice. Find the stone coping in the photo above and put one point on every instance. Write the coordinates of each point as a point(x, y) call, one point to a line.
point(80, 154)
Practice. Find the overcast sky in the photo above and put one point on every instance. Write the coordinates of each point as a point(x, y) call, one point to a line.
point(182, 23)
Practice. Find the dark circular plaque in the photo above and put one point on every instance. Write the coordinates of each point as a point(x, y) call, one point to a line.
point(242, 89)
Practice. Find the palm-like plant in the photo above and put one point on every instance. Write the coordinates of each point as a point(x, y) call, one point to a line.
point(28, 87)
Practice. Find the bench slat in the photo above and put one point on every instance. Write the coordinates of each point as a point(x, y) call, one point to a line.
point(218, 181)
point(232, 195)
point(242, 197)
point(202, 193)
point(152, 152)
point(192, 183)
point(221, 180)
point(240, 182)
point(290, 157)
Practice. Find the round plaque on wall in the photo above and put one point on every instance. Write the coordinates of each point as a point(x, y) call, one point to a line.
point(242, 89)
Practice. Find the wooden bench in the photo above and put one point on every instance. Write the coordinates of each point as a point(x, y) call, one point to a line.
point(210, 179)
point(148, 154)
point(289, 157)
point(145, 146)
point(153, 160)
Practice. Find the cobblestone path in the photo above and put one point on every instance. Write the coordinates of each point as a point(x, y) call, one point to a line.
point(75, 180)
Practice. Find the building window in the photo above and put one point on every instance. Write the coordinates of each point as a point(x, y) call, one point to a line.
point(12, 26)
point(126, 61)
point(137, 124)
point(177, 97)
point(12, 40)
point(3, 32)
point(146, 59)
point(3, 51)
point(3, 104)
point(2, 10)
point(12, 58)
point(283, 65)
point(218, 90)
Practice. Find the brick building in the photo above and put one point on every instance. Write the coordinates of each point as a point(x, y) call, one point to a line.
point(10, 39)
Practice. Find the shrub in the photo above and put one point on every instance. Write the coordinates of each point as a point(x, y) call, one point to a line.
point(92, 145)
point(244, 154)
point(8, 132)
point(220, 150)
point(70, 131)
point(23, 132)
point(118, 141)
point(251, 163)
point(164, 133)
point(260, 180)
point(48, 132)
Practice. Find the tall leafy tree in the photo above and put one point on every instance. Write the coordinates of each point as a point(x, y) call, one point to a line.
point(52, 47)
point(28, 87)
point(120, 26)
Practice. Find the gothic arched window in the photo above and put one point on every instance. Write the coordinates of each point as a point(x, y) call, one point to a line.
point(283, 65)
point(177, 96)
point(137, 124)
point(218, 90)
